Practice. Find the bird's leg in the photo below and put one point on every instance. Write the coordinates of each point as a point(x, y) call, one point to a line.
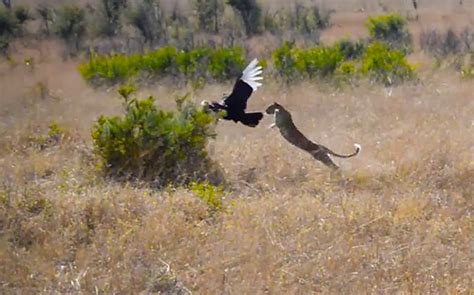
point(271, 126)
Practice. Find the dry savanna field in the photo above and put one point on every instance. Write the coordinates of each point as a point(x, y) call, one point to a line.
point(398, 220)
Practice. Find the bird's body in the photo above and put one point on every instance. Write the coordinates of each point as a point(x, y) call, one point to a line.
point(236, 103)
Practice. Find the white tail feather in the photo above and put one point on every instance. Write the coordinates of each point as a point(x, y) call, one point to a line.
point(251, 74)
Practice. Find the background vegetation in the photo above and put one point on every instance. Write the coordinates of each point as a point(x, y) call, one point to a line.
point(107, 193)
point(197, 64)
point(138, 26)
point(373, 58)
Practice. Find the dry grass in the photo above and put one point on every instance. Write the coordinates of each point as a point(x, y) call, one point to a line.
point(400, 220)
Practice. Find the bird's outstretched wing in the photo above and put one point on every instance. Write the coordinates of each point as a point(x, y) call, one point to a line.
point(245, 86)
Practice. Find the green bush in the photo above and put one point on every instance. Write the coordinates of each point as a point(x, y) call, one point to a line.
point(318, 61)
point(351, 49)
point(226, 63)
point(284, 61)
point(345, 60)
point(113, 68)
point(391, 29)
point(385, 65)
point(55, 135)
point(467, 70)
point(291, 62)
point(55, 131)
point(151, 144)
point(346, 71)
point(193, 64)
point(200, 63)
point(159, 62)
point(116, 68)
point(210, 194)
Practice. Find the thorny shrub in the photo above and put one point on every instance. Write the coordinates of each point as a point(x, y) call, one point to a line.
point(439, 44)
point(346, 60)
point(384, 65)
point(392, 30)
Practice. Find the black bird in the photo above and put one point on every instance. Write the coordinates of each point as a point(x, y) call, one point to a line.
point(236, 103)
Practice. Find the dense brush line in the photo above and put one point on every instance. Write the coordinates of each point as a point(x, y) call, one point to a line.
point(220, 64)
point(342, 61)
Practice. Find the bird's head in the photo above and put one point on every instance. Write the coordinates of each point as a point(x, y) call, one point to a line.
point(213, 106)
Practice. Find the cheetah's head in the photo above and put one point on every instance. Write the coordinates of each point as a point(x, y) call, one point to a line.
point(273, 108)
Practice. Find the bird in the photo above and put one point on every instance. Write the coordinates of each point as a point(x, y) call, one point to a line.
point(235, 104)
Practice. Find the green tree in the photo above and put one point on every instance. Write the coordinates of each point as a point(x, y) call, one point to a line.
point(250, 12)
point(45, 14)
point(392, 30)
point(310, 19)
point(147, 18)
point(7, 4)
point(22, 14)
point(208, 13)
point(70, 25)
point(110, 11)
point(9, 27)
